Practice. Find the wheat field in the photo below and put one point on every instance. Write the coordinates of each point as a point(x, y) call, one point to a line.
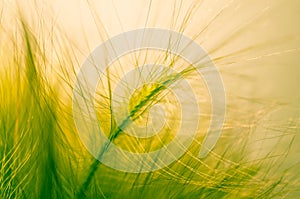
point(255, 46)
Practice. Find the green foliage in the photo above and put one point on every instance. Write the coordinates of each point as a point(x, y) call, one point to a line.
point(41, 155)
